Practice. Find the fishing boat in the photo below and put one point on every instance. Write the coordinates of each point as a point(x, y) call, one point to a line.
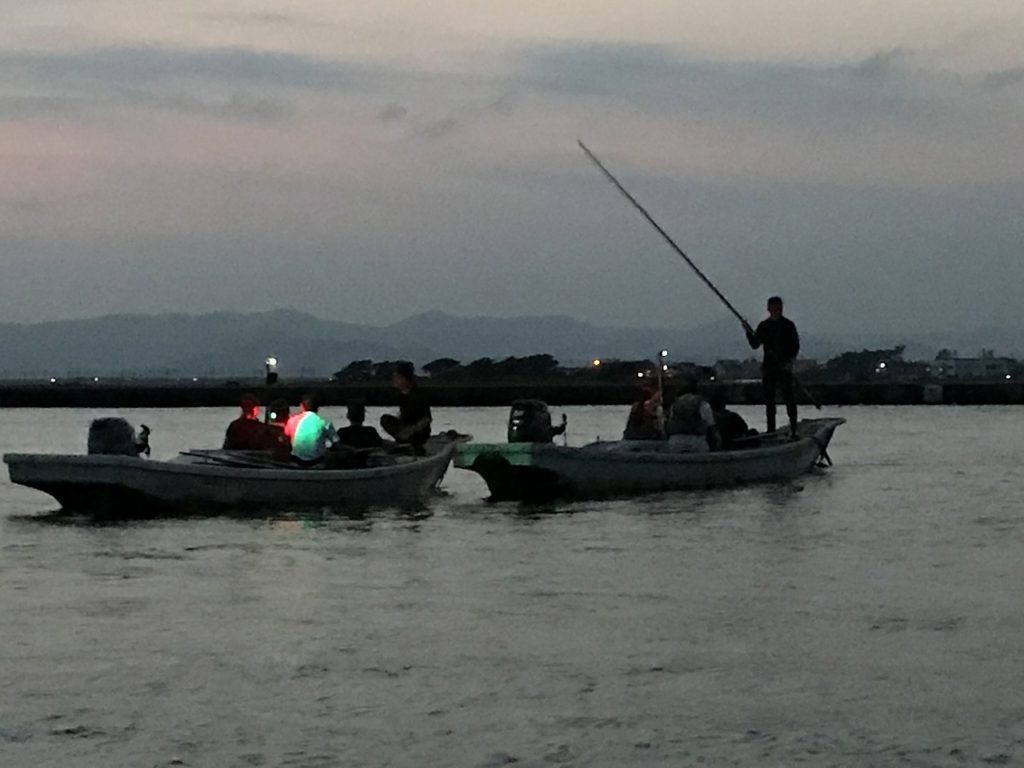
point(535, 471)
point(207, 481)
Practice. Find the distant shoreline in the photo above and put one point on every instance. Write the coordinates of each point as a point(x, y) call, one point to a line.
point(463, 394)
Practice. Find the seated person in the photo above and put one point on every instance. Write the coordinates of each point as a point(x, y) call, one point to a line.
point(358, 435)
point(310, 434)
point(644, 422)
point(730, 425)
point(278, 413)
point(691, 424)
point(412, 425)
point(277, 417)
point(247, 432)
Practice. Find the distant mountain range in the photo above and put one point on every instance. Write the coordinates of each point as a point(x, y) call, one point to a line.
point(224, 344)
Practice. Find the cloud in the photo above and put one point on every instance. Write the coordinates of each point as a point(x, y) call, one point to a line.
point(28, 206)
point(236, 106)
point(259, 18)
point(1005, 78)
point(32, 107)
point(219, 83)
point(391, 112)
point(438, 128)
point(889, 85)
point(128, 66)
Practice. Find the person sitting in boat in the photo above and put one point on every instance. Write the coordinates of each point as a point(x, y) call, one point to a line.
point(412, 425)
point(691, 423)
point(730, 425)
point(247, 432)
point(645, 417)
point(277, 413)
point(358, 435)
point(310, 434)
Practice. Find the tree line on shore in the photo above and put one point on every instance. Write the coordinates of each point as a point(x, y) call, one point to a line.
point(866, 365)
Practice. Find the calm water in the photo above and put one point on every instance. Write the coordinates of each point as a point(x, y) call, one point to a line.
point(868, 616)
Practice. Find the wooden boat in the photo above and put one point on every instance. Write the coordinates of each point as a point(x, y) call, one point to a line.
point(206, 481)
point(531, 471)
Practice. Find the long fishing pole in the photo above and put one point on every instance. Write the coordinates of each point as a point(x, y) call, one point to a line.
point(675, 247)
point(662, 232)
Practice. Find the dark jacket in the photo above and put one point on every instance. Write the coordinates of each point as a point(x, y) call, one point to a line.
point(780, 340)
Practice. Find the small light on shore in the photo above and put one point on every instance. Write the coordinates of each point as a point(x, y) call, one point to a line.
point(639, 374)
point(95, 378)
point(53, 379)
point(664, 366)
point(596, 362)
point(1008, 377)
point(664, 353)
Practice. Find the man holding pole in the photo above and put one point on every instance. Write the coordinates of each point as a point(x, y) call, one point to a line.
point(778, 336)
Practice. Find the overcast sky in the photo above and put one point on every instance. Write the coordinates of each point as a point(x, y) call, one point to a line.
point(367, 161)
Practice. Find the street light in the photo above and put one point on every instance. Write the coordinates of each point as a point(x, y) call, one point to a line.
point(271, 367)
point(663, 368)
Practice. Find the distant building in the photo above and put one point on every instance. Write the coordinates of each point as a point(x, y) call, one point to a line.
point(738, 370)
point(750, 369)
point(988, 367)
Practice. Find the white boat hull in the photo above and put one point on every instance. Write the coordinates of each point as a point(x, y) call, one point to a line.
point(521, 471)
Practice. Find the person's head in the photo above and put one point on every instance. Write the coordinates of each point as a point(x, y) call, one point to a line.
point(775, 307)
point(404, 377)
point(356, 413)
point(278, 411)
point(647, 392)
point(250, 406)
point(310, 402)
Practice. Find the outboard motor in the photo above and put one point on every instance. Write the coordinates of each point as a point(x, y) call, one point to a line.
point(116, 437)
point(530, 422)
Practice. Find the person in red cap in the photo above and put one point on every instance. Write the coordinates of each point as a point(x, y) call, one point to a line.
point(247, 432)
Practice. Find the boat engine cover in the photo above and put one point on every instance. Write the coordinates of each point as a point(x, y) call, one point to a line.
point(529, 422)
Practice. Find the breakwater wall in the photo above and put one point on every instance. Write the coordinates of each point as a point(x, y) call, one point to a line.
point(143, 395)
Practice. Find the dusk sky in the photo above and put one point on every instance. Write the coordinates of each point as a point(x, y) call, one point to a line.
point(367, 161)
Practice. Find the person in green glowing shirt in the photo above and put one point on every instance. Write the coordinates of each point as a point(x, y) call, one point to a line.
point(310, 434)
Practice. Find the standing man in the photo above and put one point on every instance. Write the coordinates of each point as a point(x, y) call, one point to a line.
point(778, 336)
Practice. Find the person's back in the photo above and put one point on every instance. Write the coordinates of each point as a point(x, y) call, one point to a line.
point(691, 424)
point(780, 340)
point(729, 424)
point(686, 417)
point(247, 432)
point(643, 422)
point(310, 434)
point(357, 434)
